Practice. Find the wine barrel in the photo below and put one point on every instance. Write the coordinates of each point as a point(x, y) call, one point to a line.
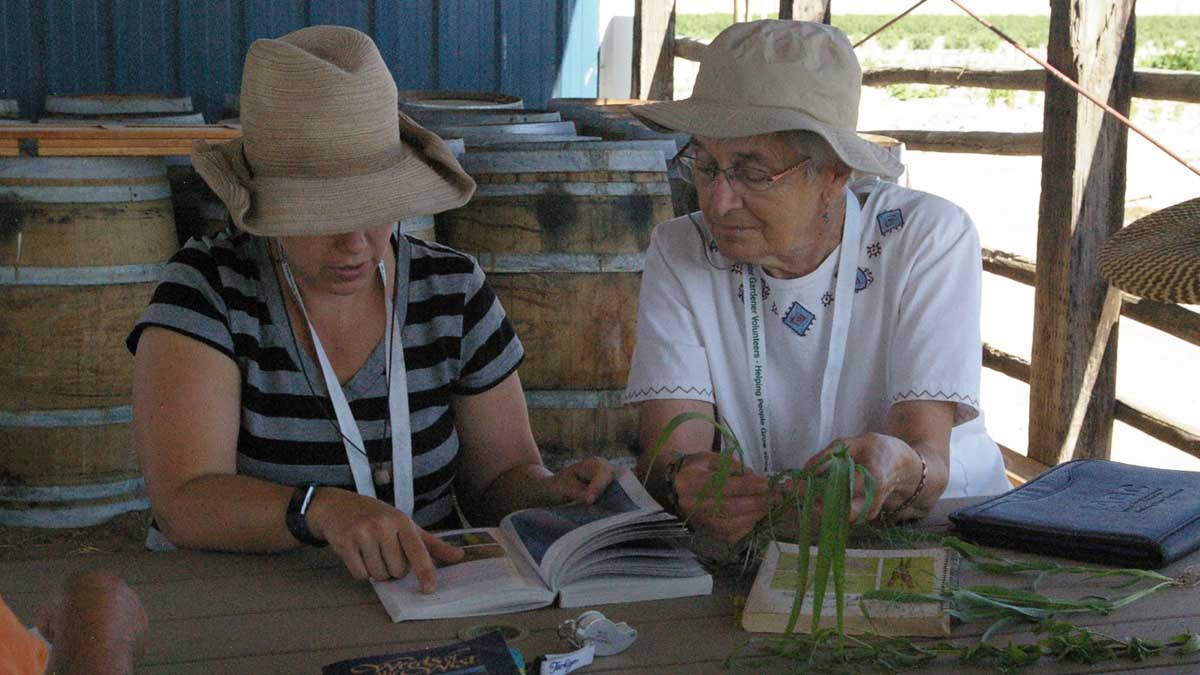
point(415, 99)
point(683, 194)
point(431, 117)
point(561, 236)
point(198, 211)
point(476, 142)
point(82, 243)
point(469, 132)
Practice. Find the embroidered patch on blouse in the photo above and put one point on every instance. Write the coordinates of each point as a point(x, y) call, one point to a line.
point(863, 279)
point(874, 250)
point(890, 221)
point(799, 319)
point(827, 299)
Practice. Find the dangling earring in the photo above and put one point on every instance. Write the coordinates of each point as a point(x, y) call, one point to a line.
point(825, 215)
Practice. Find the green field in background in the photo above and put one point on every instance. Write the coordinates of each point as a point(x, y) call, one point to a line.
point(1162, 41)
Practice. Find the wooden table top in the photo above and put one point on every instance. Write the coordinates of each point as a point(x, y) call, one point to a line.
point(295, 612)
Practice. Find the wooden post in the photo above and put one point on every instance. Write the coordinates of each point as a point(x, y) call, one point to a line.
point(804, 10)
point(1073, 383)
point(653, 49)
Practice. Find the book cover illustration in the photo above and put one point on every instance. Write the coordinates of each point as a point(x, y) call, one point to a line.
point(487, 654)
point(911, 571)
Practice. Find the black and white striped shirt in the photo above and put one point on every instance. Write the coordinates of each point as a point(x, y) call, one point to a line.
point(223, 292)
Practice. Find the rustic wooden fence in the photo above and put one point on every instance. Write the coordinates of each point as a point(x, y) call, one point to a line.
point(1087, 378)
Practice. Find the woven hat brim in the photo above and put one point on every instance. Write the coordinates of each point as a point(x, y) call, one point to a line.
point(425, 179)
point(723, 120)
point(1157, 257)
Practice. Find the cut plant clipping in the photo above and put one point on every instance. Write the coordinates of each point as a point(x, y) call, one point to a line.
point(819, 501)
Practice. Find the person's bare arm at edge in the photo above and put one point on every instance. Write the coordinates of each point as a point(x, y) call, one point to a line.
point(187, 411)
point(96, 625)
point(912, 431)
point(501, 469)
point(745, 497)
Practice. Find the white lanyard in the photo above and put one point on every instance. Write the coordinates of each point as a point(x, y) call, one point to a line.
point(402, 485)
point(756, 336)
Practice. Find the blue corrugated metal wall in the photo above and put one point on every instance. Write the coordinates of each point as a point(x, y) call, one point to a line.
point(534, 49)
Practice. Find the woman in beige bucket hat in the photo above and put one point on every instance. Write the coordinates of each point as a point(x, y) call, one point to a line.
point(313, 348)
point(802, 308)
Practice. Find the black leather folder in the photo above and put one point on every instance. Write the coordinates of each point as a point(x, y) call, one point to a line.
point(1095, 511)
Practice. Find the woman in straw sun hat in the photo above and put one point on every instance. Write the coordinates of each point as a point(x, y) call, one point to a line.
point(312, 348)
point(805, 311)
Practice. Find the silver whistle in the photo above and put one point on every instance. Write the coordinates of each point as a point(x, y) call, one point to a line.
point(609, 638)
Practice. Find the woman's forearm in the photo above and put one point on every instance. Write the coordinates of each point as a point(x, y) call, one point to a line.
point(226, 512)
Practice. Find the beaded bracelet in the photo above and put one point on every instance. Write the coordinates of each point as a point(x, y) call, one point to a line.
point(672, 497)
point(913, 497)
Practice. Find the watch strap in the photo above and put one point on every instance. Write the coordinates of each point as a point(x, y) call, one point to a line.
point(296, 517)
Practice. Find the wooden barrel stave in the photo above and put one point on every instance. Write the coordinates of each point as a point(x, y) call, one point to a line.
point(572, 425)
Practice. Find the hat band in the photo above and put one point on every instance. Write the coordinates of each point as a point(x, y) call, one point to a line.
point(341, 168)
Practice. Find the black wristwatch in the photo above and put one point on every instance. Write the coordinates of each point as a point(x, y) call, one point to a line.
point(297, 515)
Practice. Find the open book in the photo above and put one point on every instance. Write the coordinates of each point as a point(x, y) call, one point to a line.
point(915, 571)
point(623, 548)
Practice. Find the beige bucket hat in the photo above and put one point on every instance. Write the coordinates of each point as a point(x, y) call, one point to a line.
point(1157, 256)
point(324, 149)
point(765, 76)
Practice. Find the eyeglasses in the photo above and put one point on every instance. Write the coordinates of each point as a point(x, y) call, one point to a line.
point(741, 179)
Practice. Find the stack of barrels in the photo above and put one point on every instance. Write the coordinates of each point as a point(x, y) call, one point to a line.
point(559, 223)
point(198, 212)
point(82, 242)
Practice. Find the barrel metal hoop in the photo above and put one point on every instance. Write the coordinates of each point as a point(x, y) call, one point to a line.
point(575, 399)
point(81, 276)
point(83, 417)
point(68, 493)
point(571, 263)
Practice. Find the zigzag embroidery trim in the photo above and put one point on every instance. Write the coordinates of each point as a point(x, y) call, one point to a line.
point(669, 390)
point(939, 394)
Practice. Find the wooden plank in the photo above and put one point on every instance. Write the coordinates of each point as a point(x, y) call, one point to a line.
point(1009, 364)
point(1073, 382)
point(1168, 85)
point(1157, 426)
point(1005, 78)
point(978, 142)
point(653, 49)
point(1169, 318)
point(1019, 468)
point(210, 132)
point(804, 10)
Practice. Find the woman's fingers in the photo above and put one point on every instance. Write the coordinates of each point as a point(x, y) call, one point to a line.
point(373, 562)
point(412, 539)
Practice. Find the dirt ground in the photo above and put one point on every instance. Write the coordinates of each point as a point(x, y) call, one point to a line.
point(123, 533)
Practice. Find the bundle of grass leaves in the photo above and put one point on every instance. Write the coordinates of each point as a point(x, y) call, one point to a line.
point(829, 487)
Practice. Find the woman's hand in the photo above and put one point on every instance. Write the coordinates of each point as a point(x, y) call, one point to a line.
point(745, 497)
point(584, 481)
point(376, 540)
point(893, 463)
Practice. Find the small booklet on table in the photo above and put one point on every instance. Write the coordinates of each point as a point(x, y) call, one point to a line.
point(918, 571)
point(623, 548)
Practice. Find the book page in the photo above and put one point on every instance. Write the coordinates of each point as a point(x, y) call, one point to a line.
point(916, 571)
point(491, 579)
point(548, 535)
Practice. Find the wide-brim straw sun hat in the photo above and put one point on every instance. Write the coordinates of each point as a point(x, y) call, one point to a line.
point(1157, 256)
point(324, 148)
point(760, 77)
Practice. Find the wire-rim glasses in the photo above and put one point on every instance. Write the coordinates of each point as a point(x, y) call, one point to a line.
point(741, 179)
